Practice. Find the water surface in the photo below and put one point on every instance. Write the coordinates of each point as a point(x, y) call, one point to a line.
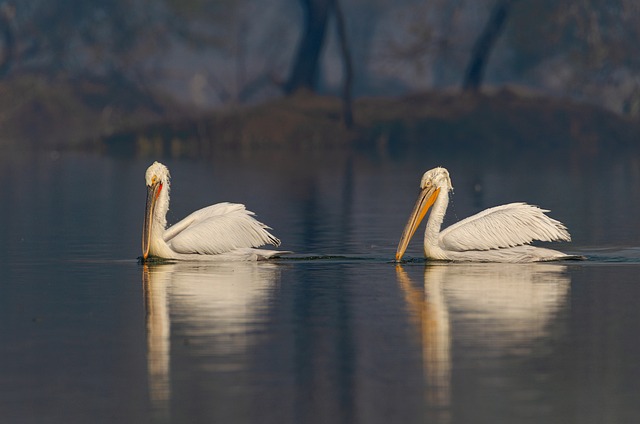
point(335, 333)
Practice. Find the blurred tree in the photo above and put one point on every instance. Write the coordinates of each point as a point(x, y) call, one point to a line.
point(582, 48)
point(363, 17)
point(107, 43)
point(241, 47)
point(76, 36)
point(429, 40)
point(7, 37)
point(246, 39)
point(127, 44)
point(306, 64)
point(484, 45)
point(592, 32)
point(305, 68)
point(347, 109)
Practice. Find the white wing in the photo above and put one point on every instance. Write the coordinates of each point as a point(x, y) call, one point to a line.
point(216, 229)
point(509, 225)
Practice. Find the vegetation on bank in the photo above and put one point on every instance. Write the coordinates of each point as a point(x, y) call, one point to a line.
point(56, 112)
point(505, 120)
point(90, 114)
point(120, 75)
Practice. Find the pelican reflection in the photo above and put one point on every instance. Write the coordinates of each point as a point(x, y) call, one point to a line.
point(204, 303)
point(430, 316)
point(493, 308)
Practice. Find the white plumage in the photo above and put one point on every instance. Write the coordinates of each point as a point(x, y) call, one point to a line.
point(224, 231)
point(498, 234)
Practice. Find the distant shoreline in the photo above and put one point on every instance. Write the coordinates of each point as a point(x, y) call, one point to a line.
point(503, 120)
point(85, 115)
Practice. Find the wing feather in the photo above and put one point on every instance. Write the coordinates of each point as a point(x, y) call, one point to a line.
point(217, 229)
point(508, 225)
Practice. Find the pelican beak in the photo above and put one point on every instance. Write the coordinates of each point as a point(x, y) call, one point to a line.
point(153, 191)
point(426, 198)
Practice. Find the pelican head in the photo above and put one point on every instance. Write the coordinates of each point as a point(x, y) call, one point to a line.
point(157, 180)
point(432, 182)
point(437, 177)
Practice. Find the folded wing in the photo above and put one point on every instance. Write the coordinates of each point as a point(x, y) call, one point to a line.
point(508, 225)
point(217, 229)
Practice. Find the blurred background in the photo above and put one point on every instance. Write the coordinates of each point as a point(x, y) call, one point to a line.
point(320, 116)
point(142, 74)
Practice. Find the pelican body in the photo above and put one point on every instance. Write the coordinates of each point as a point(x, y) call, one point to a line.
point(498, 234)
point(224, 231)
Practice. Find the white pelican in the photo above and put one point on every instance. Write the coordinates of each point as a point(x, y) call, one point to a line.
point(498, 234)
point(224, 231)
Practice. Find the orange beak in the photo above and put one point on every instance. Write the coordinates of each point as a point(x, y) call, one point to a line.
point(153, 191)
point(425, 199)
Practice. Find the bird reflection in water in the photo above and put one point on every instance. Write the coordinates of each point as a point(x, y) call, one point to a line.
point(496, 308)
point(158, 343)
point(428, 312)
point(220, 301)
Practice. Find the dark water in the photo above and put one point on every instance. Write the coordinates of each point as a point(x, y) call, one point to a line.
point(335, 334)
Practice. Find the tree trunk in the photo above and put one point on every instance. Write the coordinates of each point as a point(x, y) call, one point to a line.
point(304, 73)
point(481, 51)
point(8, 41)
point(347, 87)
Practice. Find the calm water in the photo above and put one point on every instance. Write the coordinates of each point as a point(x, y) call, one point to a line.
point(336, 333)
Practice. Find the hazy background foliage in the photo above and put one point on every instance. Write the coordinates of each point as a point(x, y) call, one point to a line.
point(136, 61)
